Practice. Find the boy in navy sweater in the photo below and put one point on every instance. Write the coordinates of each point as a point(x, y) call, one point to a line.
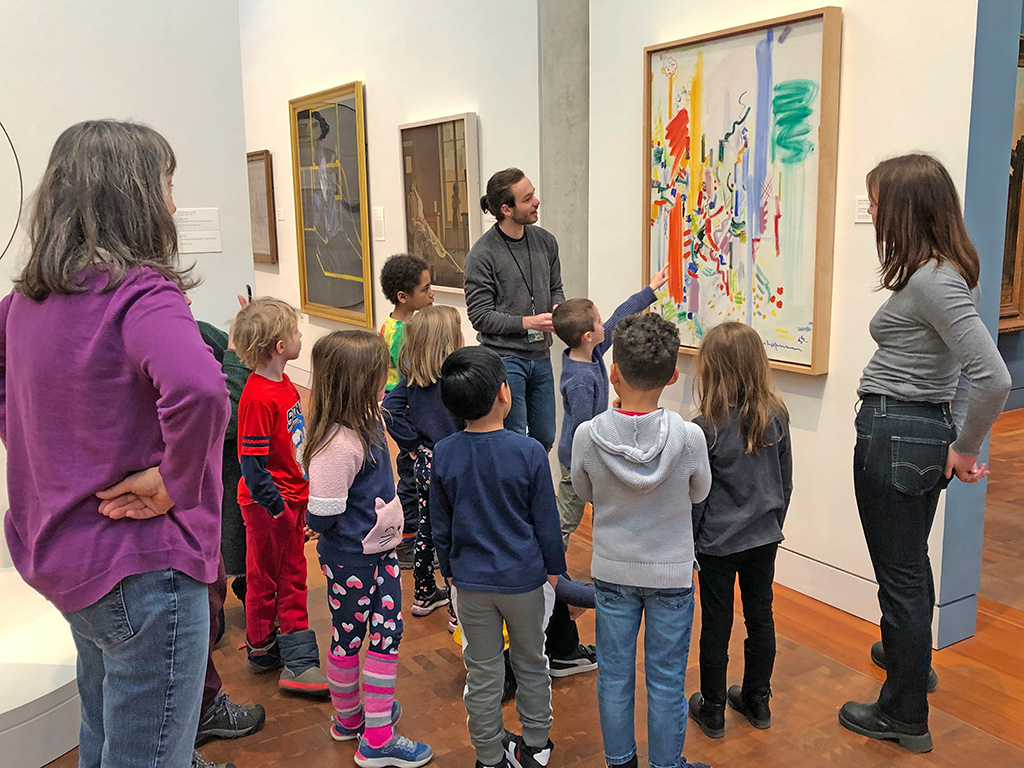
point(584, 381)
point(495, 526)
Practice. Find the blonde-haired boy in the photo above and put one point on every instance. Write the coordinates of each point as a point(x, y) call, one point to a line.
point(273, 494)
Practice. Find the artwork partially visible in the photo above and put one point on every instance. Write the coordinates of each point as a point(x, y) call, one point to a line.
point(1011, 302)
point(441, 177)
point(331, 204)
point(261, 207)
point(740, 137)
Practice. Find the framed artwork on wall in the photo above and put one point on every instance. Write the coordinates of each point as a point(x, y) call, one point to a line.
point(441, 182)
point(740, 142)
point(261, 207)
point(332, 205)
point(1011, 300)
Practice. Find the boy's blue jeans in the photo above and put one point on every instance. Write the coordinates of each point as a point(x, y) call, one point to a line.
point(142, 652)
point(532, 384)
point(668, 616)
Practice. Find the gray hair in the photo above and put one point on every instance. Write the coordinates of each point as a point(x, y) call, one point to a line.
point(101, 202)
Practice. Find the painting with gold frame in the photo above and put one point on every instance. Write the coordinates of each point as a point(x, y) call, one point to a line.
point(1011, 300)
point(332, 205)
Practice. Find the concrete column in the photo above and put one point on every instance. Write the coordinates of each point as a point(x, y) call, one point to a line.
point(564, 40)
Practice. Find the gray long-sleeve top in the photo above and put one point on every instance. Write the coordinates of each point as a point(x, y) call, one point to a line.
point(750, 492)
point(500, 273)
point(929, 332)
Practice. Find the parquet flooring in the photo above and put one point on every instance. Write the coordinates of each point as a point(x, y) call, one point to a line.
point(977, 712)
point(1002, 578)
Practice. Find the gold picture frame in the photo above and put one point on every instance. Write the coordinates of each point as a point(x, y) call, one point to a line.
point(328, 131)
point(1011, 295)
point(740, 147)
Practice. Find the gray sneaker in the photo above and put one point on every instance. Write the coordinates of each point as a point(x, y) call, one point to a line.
point(227, 720)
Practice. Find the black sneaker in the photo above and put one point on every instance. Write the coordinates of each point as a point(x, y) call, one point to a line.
point(227, 720)
point(878, 657)
point(198, 762)
point(426, 606)
point(582, 659)
point(522, 756)
point(502, 764)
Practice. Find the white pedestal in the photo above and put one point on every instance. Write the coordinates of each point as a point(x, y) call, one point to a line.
point(39, 706)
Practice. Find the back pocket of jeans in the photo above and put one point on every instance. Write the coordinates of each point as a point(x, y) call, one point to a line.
point(918, 464)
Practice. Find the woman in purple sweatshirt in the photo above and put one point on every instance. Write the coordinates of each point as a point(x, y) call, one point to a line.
point(113, 411)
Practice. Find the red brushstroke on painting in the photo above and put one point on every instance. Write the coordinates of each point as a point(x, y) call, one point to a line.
point(778, 215)
point(675, 254)
point(677, 132)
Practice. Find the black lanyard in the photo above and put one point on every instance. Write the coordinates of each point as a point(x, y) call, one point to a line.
point(529, 261)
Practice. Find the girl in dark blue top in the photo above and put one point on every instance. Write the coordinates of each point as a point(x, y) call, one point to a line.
point(418, 419)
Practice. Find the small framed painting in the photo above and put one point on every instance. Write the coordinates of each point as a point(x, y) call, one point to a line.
point(261, 207)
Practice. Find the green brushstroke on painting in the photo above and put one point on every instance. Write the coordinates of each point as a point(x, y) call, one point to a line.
point(792, 132)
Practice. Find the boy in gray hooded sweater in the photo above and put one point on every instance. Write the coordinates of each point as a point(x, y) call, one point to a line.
point(642, 467)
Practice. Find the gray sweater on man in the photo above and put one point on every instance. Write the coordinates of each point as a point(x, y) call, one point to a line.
point(642, 474)
point(507, 280)
point(928, 334)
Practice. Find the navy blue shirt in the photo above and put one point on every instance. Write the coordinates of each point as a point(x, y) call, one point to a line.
point(584, 385)
point(418, 417)
point(492, 511)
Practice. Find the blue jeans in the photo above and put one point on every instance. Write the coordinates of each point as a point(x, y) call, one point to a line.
point(142, 652)
point(533, 398)
point(669, 616)
point(899, 467)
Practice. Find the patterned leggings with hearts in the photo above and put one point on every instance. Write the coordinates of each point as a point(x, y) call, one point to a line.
point(364, 600)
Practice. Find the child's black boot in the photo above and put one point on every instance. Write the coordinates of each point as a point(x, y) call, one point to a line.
point(709, 715)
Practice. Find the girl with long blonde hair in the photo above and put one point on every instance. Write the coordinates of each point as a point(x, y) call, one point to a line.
point(354, 508)
point(418, 420)
point(737, 529)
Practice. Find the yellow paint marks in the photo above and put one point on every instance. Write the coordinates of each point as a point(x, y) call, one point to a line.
point(324, 271)
point(696, 165)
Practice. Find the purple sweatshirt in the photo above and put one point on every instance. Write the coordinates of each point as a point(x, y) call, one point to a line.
point(95, 387)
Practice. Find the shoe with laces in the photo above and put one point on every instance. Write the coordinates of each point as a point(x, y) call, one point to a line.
point(198, 762)
point(582, 659)
point(521, 755)
point(427, 605)
point(400, 752)
point(340, 733)
point(227, 720)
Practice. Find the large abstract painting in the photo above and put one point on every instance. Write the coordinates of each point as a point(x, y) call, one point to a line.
point(332, 212)
point(441, 175)
point(739, 195)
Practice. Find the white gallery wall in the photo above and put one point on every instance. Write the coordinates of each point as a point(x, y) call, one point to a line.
point(906, 86)
point(417, 61)
point(173, 64)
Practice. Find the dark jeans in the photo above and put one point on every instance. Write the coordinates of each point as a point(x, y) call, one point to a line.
point(533, 398)
point(407, 493)
point(756, 570)
point(218, 591)
point(561, 637)
point(898, 473)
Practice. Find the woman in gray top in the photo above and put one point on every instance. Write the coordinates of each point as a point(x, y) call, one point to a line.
point(928, 397)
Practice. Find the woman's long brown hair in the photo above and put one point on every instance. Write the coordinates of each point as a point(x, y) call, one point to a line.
point(733, 372)
point(101, 201)
point(350, 369)
point(431, 335)
point(918, 218)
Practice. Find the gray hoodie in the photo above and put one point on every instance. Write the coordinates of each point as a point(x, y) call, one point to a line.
point(642, 473)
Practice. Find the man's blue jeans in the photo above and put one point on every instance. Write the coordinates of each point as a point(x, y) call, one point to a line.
point(668, 616)
point(533, 398)
point(142, 652)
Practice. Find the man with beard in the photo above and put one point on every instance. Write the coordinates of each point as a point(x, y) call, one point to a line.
point(513, 281)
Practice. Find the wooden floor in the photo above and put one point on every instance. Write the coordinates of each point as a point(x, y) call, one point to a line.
point(977, 714)
point(1002, 578)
